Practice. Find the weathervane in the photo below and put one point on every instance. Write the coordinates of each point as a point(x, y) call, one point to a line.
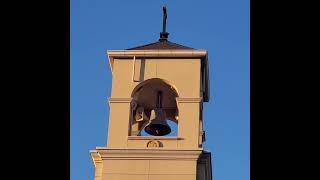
point(164, 34)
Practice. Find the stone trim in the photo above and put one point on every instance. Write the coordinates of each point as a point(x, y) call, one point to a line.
point(96, 158)
point(157, 53)
point(98, 164)
point(150, 154)
point(189, 99)
point(119, 100)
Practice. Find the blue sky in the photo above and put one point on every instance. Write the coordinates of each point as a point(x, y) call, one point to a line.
point(219, 26)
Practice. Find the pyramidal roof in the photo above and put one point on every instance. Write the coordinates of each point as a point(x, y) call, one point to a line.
point(161, 45)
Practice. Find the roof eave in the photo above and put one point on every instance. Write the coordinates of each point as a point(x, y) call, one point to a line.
point(153, 53)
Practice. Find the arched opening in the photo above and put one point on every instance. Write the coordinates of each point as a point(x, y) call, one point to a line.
point(154, 104)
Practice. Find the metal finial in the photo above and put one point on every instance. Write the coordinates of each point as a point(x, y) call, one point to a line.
point(164, 34)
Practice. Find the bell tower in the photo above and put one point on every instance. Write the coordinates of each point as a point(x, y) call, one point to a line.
point(153, 84)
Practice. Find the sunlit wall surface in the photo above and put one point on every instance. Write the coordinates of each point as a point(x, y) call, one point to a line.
point(219, 26)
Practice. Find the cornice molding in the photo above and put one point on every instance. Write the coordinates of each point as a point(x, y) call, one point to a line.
point(150, 154)
point(189, 99)
point(157, 53)
point(96, 158)
point(119, 100)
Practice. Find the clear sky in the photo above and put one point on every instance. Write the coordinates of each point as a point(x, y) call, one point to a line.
point(219, 26)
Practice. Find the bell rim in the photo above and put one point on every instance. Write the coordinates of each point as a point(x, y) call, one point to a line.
point(166, 132)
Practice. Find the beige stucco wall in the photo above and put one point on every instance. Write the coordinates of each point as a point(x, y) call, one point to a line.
point(154, 168)
point(128, 157)
point(184, 74)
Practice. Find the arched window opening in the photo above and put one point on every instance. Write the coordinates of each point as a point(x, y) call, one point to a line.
point(154, 109)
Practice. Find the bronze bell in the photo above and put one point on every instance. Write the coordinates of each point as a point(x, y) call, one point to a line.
point(157, 125)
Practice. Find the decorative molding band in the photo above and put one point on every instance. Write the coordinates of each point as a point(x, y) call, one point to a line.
point(149, 154)
point(157, 53)
point(120, 100)
point(189, 100)
point(96, 158)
